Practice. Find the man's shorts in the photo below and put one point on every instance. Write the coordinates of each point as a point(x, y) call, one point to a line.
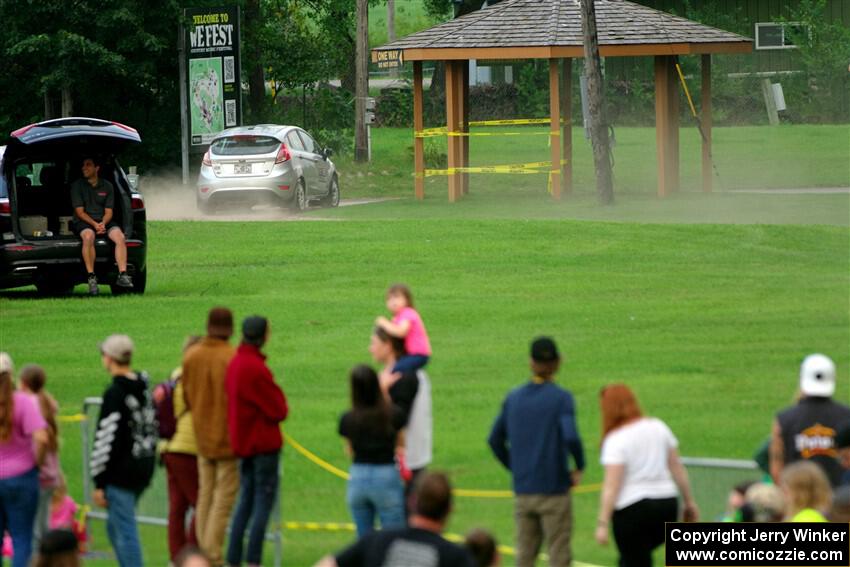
point(78, 226)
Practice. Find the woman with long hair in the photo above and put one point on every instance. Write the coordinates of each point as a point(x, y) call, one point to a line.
point(372, 429)
point(23, 442)
point(642, 474)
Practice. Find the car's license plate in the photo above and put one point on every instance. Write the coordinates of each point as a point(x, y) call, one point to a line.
point(242, 168)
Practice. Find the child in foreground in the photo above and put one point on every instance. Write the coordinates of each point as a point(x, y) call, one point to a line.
point(406, 324)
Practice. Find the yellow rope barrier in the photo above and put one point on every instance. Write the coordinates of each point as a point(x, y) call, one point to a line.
point(687, 92)
point(461, 492)
point(76, 418)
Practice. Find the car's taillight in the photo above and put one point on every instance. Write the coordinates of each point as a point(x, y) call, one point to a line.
point(125, 127)
point(205, 189)
point(21, 131)
point(207, 160)
point(283, 154)
point(136, 202)
point(5, 207)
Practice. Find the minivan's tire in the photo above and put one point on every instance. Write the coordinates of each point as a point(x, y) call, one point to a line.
point(53, 287)
point(332, 200)
point(301, 203)
point(140, 282)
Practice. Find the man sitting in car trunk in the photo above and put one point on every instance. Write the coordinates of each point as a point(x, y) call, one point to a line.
point(93, 200)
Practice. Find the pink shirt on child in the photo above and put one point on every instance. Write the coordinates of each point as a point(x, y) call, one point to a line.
point(416, 342)
point(62, 515)
point(16, 453)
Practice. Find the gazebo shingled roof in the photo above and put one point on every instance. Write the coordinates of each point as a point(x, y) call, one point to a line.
point(557, 23)
point(551, 29)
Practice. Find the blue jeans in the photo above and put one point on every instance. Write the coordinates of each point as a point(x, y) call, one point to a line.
point(257, 496)
point(121, 526)
point(375, 490)
point(410, 362)
point(18, 504)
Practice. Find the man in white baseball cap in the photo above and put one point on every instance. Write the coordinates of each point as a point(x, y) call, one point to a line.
point(807, 430)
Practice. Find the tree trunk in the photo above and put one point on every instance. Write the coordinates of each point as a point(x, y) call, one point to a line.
point(256, 78)
point(50, 105)
point(67, 102)
point(391, 29)
point(390, 21)
point(598, 123)
point(361, 152)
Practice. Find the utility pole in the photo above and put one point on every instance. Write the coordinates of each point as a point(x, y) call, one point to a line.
point(361, 83)
point(598, 125)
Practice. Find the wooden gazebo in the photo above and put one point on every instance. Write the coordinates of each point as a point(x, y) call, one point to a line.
point(551, 29)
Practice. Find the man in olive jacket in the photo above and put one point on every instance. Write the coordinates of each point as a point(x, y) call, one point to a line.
point(204, 370)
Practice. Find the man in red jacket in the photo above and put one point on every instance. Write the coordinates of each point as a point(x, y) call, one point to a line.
point(255, 408)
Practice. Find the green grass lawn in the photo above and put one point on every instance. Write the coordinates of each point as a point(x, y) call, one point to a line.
point(746, 157)
point(707, 322)
point(410, 17)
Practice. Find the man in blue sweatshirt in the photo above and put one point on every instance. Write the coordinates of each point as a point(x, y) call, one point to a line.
point(533, 437)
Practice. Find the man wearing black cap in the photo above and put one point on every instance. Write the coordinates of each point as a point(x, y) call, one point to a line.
point(533, 437)
point(255, 408)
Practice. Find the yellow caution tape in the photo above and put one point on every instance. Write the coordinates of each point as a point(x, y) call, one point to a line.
point(687, 92)
point(517, 168)
point(76, 418)
point(462, 492)
point(315, 458)
point(443, 131)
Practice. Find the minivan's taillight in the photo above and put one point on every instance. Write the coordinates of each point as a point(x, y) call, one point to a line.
point(5, 207)
point(136, 202)
point(207, 161)
point(283, 154)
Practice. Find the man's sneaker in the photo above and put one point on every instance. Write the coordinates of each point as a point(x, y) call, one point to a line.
point(93, 285)
point(124, 280)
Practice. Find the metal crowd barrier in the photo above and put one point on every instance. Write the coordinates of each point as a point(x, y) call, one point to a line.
point(152, 507)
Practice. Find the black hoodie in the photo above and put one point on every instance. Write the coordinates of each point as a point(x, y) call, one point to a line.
point(124, 452)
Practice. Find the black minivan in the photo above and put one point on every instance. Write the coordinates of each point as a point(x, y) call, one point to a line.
point(37, 168)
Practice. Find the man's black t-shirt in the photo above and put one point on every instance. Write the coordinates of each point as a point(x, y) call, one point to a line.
point(407, 547)
point(369, 446)
point(94, 200)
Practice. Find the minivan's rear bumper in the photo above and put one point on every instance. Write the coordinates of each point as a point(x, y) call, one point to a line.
point(25, 262)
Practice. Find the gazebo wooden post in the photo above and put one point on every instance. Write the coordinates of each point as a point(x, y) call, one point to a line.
point(673, 125)
point(465, 125)
point(567, 127)
point(418, 125)
point(555, 128)
point(705, 113)
point(662, 120)
point(452, 121)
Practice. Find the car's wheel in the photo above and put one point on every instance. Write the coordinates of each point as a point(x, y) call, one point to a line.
point(301, 202)
point(140, 282)
point(332, 199)
point(53, 287)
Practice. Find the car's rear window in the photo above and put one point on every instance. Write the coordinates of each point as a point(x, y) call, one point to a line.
point(244, 145)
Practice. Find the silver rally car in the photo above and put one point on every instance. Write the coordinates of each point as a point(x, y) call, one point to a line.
point(266, 164)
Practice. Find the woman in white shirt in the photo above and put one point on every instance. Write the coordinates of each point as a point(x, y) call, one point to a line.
point(643, 478)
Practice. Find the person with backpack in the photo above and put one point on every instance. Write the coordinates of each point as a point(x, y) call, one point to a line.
point(124, 453)
point(179, 453)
